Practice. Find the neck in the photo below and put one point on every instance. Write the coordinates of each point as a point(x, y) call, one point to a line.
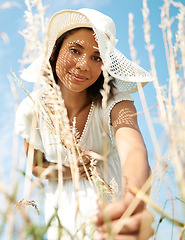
point(75, 102)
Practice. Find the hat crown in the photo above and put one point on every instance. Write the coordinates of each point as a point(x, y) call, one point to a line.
point(100, 21)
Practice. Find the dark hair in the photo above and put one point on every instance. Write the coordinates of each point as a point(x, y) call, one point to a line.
point(94, 89)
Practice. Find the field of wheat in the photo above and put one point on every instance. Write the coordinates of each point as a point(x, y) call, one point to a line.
point(22, 195)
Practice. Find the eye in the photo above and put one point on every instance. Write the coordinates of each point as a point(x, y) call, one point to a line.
point(97, 58)
point(74, 50)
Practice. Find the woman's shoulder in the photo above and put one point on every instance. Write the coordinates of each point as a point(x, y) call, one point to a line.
point(118, 97)
point(31, 98)
point(124, 114)
point(28, 104)
point(127, 107)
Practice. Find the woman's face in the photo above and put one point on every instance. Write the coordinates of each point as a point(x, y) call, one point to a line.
point(78, 64)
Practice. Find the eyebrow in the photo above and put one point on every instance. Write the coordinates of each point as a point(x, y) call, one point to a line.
point(77, 44)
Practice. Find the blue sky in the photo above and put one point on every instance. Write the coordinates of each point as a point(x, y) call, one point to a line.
point(12, 22)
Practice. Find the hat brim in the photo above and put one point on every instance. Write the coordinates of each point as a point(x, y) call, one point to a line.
point(125, 72)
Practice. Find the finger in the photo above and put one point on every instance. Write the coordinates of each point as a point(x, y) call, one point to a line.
point(115, 209)
point(138, 226)
point(122, 226)
point(85, 174)
point(86, 156)
point(135, 223)
point(146, 230)
point(84, 168)
point(126, 237)
point(105, 236)
point(85, 160)
point(94, 155)
point(110, 211)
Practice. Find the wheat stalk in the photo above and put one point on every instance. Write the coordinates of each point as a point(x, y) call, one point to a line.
point(23, 203)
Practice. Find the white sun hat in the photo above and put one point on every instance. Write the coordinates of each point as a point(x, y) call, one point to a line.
point(125, 72)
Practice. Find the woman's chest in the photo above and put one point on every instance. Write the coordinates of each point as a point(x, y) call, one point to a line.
point(94, 136)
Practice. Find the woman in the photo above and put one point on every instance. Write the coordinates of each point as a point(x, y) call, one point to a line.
point(81, 52)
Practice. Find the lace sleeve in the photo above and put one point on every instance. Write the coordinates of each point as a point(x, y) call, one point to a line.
point(119, 97)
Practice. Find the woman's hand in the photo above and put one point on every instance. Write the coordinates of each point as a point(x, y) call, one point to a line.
point(84, 165)
point(136, 227)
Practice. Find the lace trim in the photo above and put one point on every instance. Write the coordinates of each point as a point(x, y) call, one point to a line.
point(87, 122)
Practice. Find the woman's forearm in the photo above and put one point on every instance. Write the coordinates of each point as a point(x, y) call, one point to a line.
point(52, 174)
point(41, 164)
point(136, 168)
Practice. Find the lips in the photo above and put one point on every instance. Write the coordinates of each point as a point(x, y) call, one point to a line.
point(78, 77)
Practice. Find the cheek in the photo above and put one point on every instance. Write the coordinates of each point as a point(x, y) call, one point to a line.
point(97, 71)
point(62, 62)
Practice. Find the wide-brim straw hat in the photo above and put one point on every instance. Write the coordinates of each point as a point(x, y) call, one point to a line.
point(125, 72)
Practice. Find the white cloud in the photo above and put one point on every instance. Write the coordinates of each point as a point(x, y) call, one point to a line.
point(10, 4)
point(5, 37)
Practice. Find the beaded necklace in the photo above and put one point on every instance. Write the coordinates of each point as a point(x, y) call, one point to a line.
point(74, 129)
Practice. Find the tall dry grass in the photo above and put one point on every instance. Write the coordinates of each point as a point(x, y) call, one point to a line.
point(171, 106)
point(171, 112)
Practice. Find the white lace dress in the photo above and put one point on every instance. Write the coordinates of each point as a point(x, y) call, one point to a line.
point(91, 139)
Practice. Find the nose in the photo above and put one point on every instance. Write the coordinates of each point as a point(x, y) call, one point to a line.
point(82, 63)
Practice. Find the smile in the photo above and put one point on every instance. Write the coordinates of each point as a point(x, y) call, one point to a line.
point(77, 77)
